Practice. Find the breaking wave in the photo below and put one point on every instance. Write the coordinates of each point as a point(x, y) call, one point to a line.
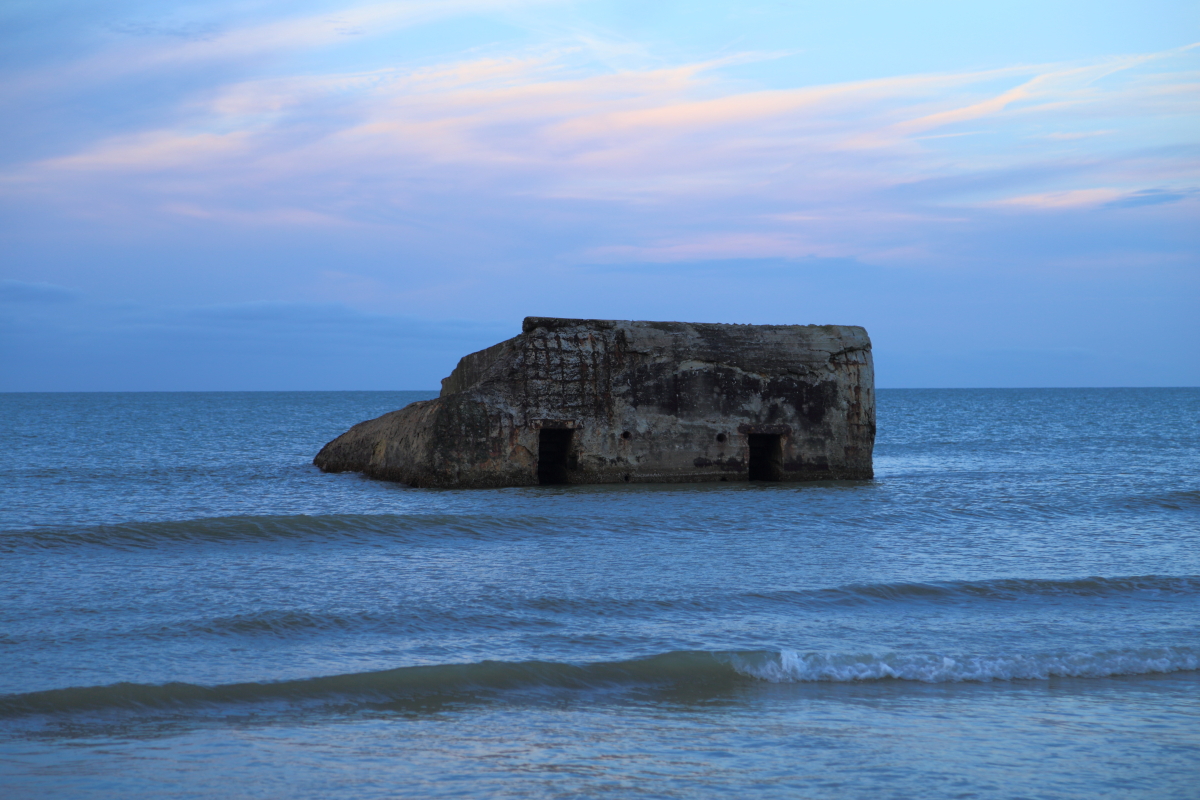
point(680, 670)
point(790, 666)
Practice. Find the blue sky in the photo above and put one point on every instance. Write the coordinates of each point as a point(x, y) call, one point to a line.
point(333, 195)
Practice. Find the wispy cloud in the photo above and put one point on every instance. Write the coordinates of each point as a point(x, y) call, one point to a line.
point(718, 169)
point(1072, 198)
point(153, 150)
point(165, 49)
point(262, 217)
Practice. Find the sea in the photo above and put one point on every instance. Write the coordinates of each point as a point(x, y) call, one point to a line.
point(190, 609)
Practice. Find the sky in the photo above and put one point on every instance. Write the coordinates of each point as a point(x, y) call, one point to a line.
point(306, 195)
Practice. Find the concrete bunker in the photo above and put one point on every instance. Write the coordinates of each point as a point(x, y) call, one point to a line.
point(572, 401)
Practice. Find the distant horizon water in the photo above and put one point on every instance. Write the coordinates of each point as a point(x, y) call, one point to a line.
point(435, 391)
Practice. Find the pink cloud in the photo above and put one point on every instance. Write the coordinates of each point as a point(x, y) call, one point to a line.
point(729, 172)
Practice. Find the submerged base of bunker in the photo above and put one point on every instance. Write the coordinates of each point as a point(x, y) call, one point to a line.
point(602, 401)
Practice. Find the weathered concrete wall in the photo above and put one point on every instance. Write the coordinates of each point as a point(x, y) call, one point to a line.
point(647, 401)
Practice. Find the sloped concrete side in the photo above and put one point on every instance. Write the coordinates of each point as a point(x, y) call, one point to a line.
point(445, 442)
point(390, 447)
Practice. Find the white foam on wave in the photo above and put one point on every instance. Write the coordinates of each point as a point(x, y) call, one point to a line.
point(792, 667)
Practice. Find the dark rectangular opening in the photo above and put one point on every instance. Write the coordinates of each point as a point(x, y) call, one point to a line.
point(554, 450)
point(766, 457)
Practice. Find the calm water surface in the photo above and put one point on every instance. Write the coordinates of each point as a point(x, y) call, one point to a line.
point(188, 608)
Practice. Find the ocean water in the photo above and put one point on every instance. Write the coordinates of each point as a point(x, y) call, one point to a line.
point(1010, 609)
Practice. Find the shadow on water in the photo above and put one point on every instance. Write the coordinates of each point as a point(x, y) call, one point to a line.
point(618, 489)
